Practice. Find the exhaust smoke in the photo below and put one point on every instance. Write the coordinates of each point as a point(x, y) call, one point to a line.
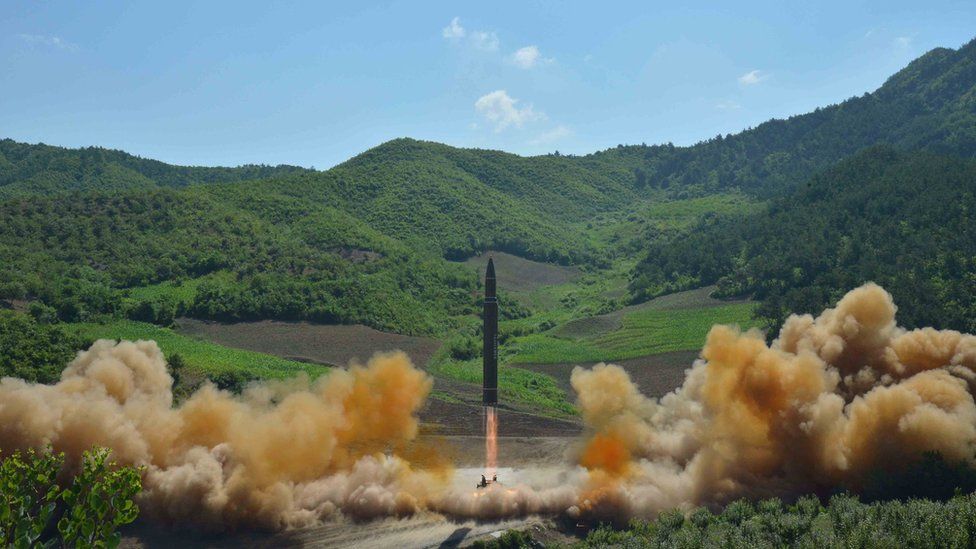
point(834, 399)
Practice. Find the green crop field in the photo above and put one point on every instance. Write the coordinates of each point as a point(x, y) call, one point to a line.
point(209, 359)
point(643, 332)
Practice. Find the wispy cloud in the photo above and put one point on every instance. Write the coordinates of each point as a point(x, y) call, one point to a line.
point(558, 133)
point(752, 77)
point(502, 111)
point(485, 40)
point(47, 41)
point(454, 30)
point(528, 57)
point(727, 105)
point(482, 40)
point(904, 42)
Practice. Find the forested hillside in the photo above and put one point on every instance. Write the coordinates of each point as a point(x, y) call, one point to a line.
point(930, 104)
point(901, 219)
point(42, 169)
point(79, 253)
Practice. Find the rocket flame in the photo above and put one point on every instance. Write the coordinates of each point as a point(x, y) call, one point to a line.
point(491, 442)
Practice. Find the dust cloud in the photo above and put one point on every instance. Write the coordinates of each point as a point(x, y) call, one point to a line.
point(282, 454)
point(831, 400)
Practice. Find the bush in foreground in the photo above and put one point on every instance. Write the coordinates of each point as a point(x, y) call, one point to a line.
point(36, 511)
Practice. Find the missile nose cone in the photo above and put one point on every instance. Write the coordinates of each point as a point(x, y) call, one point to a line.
point(490, 279)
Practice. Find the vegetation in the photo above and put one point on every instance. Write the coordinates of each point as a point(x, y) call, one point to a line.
point(37, 511)
point(228, 368)
point(34, 351)
point(903, 220)
point(643, 332)
point(927, 105)
point(843, 522)
point(42, 169)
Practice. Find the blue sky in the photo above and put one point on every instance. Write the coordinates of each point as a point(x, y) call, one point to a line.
point(227, 83)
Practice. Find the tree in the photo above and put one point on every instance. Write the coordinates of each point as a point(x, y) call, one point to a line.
point(35, 511)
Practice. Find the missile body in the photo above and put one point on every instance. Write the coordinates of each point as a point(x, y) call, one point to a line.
point(490, 350)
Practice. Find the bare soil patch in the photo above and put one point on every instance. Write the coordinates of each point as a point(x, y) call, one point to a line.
point(334, 345)
point(517, 274)
point(655, 375)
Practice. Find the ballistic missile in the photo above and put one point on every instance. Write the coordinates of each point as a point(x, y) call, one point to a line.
point(490, 350)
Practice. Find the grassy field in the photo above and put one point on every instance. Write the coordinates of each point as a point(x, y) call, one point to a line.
point(643, 332)
point(209, 359)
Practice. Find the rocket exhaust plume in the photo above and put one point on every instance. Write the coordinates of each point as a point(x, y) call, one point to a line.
point(832, 401)
point(282, 454)
point(491, 442)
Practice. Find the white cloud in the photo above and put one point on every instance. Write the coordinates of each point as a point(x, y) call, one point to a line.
point(501, 110)
point(484, 40)
point(727, 105)
point(903, 42)
point(454, 31)
point(48, 41)
point(752, 77)
point(555, 134)
point(528, 57)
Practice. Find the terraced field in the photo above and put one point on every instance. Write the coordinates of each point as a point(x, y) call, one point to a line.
point(641, 332)
point(200, 356)
point(318, 343)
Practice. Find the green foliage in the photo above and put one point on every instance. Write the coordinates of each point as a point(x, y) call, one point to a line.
point(42, 169)
point(131, 255)
point(642, 332)
point(32, 350)
point(927, 105)
point(903, 220)
point(229, 368)
point(36, 511)
point(843, 522)
point(98, 501)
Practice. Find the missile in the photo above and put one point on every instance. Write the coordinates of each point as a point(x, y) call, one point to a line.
point(490, 349)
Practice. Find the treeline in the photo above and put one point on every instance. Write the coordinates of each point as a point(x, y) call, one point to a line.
point(901, 219)
point(43, 169)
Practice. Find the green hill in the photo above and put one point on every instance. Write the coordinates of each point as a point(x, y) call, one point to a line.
point(901, 219)
point(930, 104)
point(42, 169)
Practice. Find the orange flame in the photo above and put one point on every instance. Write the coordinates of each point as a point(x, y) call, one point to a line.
point(491, 442)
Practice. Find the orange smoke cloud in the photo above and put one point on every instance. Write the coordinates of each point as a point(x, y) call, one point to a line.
point(220, 460)
point(833, 399)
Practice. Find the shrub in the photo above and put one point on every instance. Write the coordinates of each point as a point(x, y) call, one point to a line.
point(35, 511)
